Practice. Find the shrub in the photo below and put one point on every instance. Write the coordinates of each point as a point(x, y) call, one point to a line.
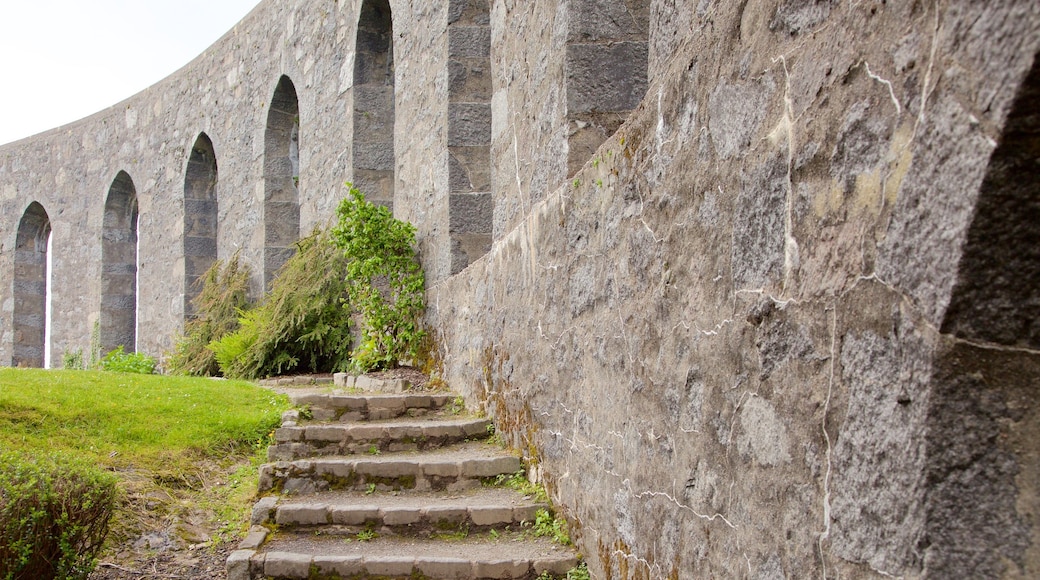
point(124, 362)
point(385, 281)
point(301, 324)
point(54, 515)
point(223, 295)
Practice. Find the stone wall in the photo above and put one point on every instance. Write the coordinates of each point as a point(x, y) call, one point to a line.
point(753, 285)
point(772, 328)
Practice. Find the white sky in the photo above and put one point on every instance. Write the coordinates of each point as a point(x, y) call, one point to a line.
point(62, 60)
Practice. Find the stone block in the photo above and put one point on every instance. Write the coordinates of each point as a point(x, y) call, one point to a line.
point(345, 380)
point(605, 77)
point(400, 516)
point(558, 564)
point(325, 433)
point(444, 567)
point(491, 515)
point(287, 565)
point(254, 539)
point(470, 212)
point(441, 469)
point(388, 469)
point(302, 514)
point(490, 467)
point(237, 565)
point(355, 515)
point(389, 565)
point(469, 42)
point(501, 569)
point(469, 124)
point(446, 514)
point(339, 566)
point(262, 510)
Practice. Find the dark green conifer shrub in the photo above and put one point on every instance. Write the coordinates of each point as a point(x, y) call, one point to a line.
point(54, 516)
point(223, 295)
point(301, 325)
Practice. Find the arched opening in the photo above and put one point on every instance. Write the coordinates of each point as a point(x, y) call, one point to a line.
point(470, 205)
point(983, 459)
point(606, 71)
point(200, 217)
point(31, 281)
point(281, 178)
point(374, 103)
point(119, 251)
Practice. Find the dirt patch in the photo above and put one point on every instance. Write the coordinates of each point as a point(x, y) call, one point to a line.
point(189, 564)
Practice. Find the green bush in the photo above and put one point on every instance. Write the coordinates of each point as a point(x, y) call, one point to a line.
point(54, 515)
point(385, 281)
point(223, 295)
point(124, 362)
point(301, 324)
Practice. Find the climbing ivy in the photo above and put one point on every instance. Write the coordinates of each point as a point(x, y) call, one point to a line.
point(385, 281)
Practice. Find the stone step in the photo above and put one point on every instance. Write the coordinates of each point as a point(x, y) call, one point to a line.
point(341, 407)
point(483, 556)
point(295, 441)
point(424, 514)
point(461, 466)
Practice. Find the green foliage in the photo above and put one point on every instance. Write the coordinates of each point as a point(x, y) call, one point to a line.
point(123, 362)
point(384, 279)
point(73, 360)
point(223, 294)
point(301, 324)
point(151, 422)
point(54, 516)
point(366, 535)
point(553, 527)
point(579, 572)
point(518, 481)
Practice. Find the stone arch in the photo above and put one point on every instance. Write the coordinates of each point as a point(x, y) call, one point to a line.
point(606, 71)
point(984, 416)
point(119, 250)
point(374, 103)
point(281, 178)
point(31, 280)
point(470, 204)
point(200, 217)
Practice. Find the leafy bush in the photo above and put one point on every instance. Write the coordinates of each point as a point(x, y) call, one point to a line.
point(54, 515)
point(301, 324)
point(224, 293)
point(132, 362)
point(385, 281)
point(73, 360)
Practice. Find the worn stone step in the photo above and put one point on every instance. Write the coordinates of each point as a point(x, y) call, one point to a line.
point(426, 514)
point(307, 556)
point(459, 467)
point(295, 441)
point(341, 407)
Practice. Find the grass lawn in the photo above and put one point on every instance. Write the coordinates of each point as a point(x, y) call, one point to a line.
point(184, 449)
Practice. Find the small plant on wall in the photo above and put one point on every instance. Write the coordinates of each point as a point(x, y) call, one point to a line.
point(385, 281)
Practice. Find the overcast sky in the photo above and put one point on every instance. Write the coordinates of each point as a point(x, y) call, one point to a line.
point(62, 60)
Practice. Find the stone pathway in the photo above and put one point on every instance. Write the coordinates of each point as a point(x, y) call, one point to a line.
point(390, 485)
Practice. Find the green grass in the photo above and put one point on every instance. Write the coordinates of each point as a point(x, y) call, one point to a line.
point(122, 420)
point(175, 443)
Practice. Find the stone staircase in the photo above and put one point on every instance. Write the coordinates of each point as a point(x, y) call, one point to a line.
point(388, 486)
